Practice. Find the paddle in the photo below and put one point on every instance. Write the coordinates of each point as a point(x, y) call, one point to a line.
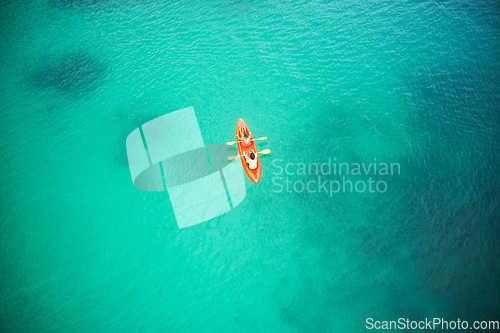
point(233, 142)
point(265, 151)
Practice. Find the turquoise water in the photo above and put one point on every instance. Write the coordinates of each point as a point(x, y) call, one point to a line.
point(408, 82)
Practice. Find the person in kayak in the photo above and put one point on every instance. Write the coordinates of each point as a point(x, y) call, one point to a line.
point(251, 160)
point(245, 137)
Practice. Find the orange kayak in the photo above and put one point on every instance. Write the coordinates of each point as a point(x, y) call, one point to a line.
point(246, 148)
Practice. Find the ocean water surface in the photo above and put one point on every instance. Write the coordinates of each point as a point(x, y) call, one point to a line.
point(407, 82)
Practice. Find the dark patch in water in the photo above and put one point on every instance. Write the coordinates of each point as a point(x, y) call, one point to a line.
point(454, 206)
point(74, 75)
point(460, 105)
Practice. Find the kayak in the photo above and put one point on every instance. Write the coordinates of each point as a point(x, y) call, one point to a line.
point(243, 149)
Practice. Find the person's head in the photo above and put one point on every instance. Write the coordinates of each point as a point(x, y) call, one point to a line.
point(246, 136)
point(252, 155)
